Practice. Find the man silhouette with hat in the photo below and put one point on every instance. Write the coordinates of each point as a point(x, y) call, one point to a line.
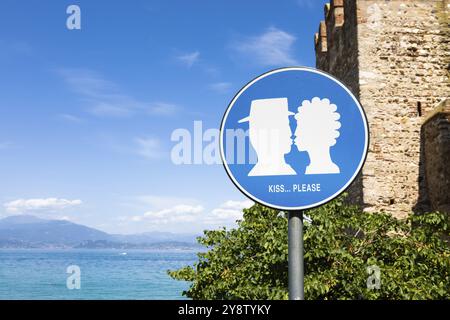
point(270, 136)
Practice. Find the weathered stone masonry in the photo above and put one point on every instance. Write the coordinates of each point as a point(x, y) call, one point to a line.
point(394, 55)
point(435, 157)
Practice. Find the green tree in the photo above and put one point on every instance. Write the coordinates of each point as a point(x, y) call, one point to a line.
point(341, 243)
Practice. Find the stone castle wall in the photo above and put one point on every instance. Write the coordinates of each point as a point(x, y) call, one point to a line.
point(394, 55)
point(436, 158)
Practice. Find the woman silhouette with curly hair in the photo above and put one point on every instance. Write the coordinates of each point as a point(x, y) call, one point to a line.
point(317, 131)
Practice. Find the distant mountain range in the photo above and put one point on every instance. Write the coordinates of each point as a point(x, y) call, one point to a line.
point(24, 231)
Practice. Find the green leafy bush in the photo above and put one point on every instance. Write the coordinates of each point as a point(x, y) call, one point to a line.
point(341, 243)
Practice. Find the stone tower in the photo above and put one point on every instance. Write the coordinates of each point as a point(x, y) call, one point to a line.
point(394, 55)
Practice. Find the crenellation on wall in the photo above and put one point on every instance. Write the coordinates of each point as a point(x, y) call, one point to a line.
point(326, 10)
point(334, 21)
point(394, 55)
point(320, 40)
point(336, 13)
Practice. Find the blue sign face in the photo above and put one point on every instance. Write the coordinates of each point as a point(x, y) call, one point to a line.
point(294, 138)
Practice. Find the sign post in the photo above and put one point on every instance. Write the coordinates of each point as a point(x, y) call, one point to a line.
point(293, 139)
point(295, 255)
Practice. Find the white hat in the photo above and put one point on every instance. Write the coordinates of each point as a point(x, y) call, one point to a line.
point(267, 109)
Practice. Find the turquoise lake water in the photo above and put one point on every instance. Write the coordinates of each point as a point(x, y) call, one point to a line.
point(105, 274)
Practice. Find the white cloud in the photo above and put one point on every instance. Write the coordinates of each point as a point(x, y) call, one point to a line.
point(31, 205)
point(221, 214)
point(5, 145)
point(189, 59)
point(105, 98)
point(220, 87)
point(193, 213)
point(116, 110)
point(306, 3)
point(229, 212)
point(238, 205)
point(13, 49)
point(272, 48)
point(163, 109)
point(88, 82)
point(149, 148)
point(70, 118)
point(161, 202)
point(178, 213)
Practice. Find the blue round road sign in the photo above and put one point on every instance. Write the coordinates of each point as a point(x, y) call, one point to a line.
point(294, 138)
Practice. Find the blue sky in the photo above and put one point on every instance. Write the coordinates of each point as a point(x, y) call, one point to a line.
point(86, 115)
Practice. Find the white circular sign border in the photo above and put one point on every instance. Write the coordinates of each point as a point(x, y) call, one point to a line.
point(333, 196)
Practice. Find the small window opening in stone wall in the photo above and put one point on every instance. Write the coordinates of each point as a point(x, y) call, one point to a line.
point(391, 202)
point(419, 108)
